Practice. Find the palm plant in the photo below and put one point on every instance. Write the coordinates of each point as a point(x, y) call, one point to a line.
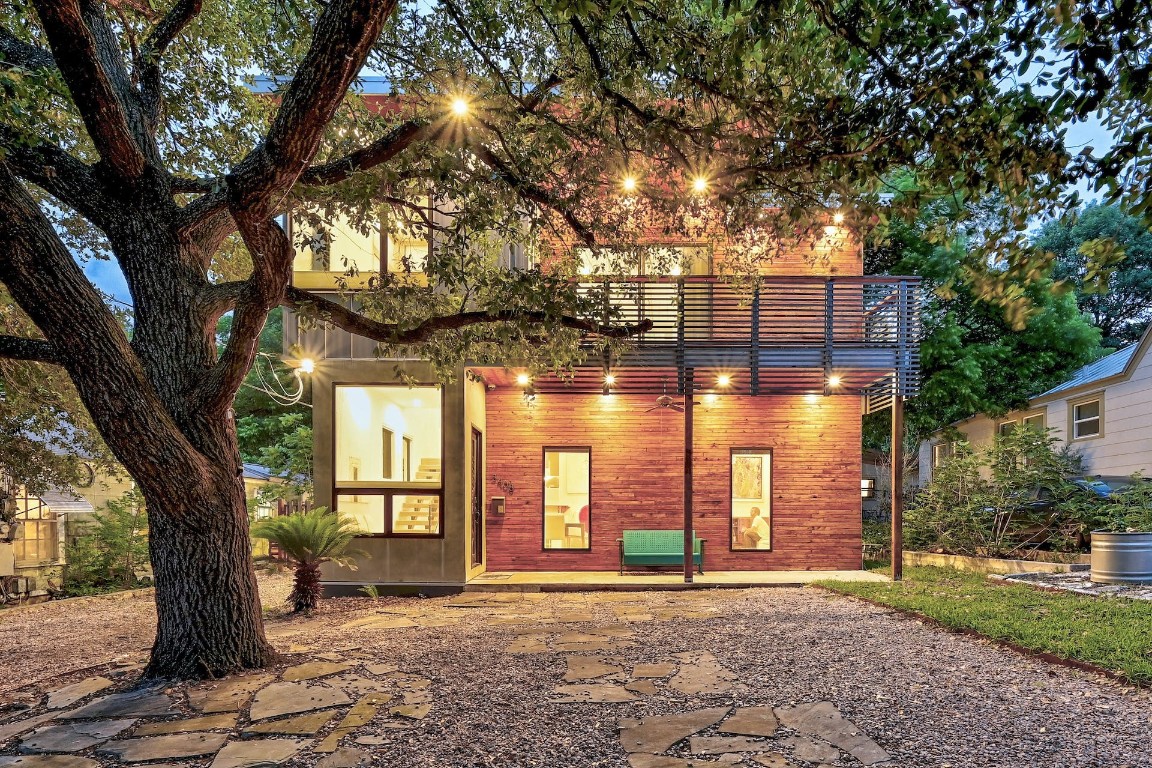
point(309, 539)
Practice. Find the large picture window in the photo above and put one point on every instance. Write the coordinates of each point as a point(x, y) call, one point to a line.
point(388, 458)
point(568, 498)
point(38, 539)
point(751, 490)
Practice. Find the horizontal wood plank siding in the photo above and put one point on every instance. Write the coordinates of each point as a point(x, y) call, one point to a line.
point(637, 475)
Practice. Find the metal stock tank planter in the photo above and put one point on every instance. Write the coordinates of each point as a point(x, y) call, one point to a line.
point(1123, 557)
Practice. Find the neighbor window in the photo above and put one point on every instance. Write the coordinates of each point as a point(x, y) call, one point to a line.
point(1006, 427)
point(1086, 419)
point(941, 452)
point(567, 498)
point(388, 454)
point(1035, 421)
point(38, 538)
point(751, 495)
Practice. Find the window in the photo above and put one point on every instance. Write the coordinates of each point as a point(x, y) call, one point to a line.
point(655, 261)
point(388, 458)
point(408, 239)
point(868, 488)
point(37, 540)
point(751, 490)
point(1035, 421)
point(334, 246)
point(941, 452)
point(1087, 418)
point(1006, 427)
point(567, 498)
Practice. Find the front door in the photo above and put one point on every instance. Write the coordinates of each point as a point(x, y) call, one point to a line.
point(477, 470)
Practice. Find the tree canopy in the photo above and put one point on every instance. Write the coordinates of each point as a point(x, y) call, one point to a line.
point(1121, 307)
point(130, 130)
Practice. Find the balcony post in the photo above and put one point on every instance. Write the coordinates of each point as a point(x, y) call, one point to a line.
point(829, 331)
point(689, 396)
point(754, 348)
point(897, 487)
point(680, 337)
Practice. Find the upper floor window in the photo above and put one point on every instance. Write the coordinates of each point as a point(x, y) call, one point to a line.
point(1088, 418)
point(654, 261)
point(401, 241)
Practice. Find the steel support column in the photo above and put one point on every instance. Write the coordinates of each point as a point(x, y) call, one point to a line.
point(689, 396)
point(897, 487)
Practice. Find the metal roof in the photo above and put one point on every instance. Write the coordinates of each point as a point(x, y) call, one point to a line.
point(1104, 368)
point(62, 501)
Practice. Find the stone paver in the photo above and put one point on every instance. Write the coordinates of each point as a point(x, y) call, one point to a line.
point(146, 702)
point(702, 674)
point(811, 750)
point(751, 721)
point(208, 723)
point(588, 668)
point(290, 698)
point(360, 715)
point(257, 752)
point(301, 725)
point(47, 761)
point(656, 734)
point(662, 669)
point(73, 737)
point(345, 757)
point(772, 761)
point(823, 720)
point(70, 694)
point(17, 727)
point(313, 670)
point(229, 695)
point(1081, 583)
point(718, 745)
point(170, 747)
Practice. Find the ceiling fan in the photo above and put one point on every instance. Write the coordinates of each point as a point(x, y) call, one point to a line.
point(667, 401)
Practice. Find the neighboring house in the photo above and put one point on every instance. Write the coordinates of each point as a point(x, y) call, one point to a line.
point(33, 550)
point(270, 495)
point(1103, 410)
point(876, 480)
point(498, 471)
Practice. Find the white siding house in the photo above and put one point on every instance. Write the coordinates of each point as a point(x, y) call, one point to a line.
point(1104, 410)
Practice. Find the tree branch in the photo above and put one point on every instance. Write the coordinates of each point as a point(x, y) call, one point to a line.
point(380, 151)
point(23, 348)
point(391, 333)
point(343, 36)
point(86, 53)
point(57, 173)
point(533, 192)
point(158, 40)
point(17, 53)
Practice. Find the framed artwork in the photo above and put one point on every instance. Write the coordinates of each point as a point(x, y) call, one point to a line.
point(747, 478)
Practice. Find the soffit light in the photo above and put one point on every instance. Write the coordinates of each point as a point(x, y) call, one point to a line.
point(838, 218)
point(723, 380)
point(609, 379)
point(834, 381)
point(523, 379)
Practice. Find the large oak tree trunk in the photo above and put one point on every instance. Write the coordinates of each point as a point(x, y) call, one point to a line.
point(208, 618)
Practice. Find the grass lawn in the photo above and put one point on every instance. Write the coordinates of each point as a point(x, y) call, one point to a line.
point(1112, 633)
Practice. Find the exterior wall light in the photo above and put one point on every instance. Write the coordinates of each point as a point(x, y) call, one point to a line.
point(609, 379)
point(723, 380)
point(461, 107)
point(628, 184)
point(307, 365)
point(834, 381)
point(700, 184)
point(838, 218)
point(523, 379)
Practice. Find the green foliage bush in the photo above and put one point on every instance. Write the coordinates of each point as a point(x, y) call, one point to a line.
point(110, 553)
point(1127, 509)
point(981, 502)
point(309, 539)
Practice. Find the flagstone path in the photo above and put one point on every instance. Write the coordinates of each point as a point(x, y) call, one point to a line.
point(774, 678)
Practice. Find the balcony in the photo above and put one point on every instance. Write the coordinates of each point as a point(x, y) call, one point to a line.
point(779, 335)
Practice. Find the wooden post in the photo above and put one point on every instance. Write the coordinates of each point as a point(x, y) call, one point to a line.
point(897, 487)
point(689, 395)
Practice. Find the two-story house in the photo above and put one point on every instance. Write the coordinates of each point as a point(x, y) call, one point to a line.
point(501, 471)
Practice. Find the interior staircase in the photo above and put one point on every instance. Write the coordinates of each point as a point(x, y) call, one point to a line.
point(420, 514)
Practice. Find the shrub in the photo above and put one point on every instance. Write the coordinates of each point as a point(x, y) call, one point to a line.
point(110, 553)
point(309, 539)
point(1126, 509)
point(984, 502)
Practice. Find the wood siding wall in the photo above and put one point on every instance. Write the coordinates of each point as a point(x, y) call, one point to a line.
point(637, 476)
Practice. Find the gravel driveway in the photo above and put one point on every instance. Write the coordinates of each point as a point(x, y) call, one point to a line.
point(927, 697)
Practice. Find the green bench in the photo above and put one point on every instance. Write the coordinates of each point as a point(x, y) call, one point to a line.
point(658, 548)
